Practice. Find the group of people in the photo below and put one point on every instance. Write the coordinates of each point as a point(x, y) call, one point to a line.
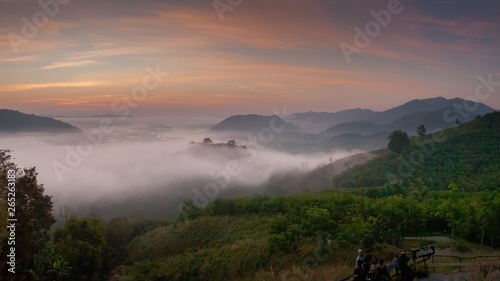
point(370, 268)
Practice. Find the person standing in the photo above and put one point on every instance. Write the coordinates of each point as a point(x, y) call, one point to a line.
point(370, 258)
point(382, 273)
point(404, 267)
point(360, 257)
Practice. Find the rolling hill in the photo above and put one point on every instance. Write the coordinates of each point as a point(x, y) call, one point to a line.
point(382, 198)
point(350, 129)
point(15, 121)
point(320, 178)
point(467, 155)
point(251, 124)
point(433, 113)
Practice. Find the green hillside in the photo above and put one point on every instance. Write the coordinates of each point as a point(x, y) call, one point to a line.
point(264, 238)
point(452, 190)
point(467, 155)
point(270, 238)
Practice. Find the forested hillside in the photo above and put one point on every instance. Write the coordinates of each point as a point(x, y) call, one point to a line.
point(259, 237)
point(447, 185)
point(467, 155)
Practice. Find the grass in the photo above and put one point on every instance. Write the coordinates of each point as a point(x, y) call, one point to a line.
point(297, 273)
point(237, 248)
point(478, 273)
point(192, 236)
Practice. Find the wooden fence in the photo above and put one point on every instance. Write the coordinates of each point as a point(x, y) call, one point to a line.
point(463, 261)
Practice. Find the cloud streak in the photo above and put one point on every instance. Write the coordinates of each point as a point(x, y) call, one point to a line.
point(24, 87)
point(61, 64)
point(289, 43)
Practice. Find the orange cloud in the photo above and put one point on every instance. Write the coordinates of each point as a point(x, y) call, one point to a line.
point(27, 58)
point(60, 64)
point(22, 87)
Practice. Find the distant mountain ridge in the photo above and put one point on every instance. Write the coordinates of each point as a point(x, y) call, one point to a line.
point(434, 113)
point(356, 114)
point(353, 128)
point(424, 105)
point(365, 127)
point(252, 123)
point(432, 120)
point(15, 121)
point(431, 112)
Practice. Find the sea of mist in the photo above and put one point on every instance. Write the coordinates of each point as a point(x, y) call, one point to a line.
point(145, 168)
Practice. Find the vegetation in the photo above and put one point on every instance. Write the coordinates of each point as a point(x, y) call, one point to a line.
point(442, 184)
point(81, 241)
point(421, 130)
point(236, 238)
point(468, 155)
point(207, 142)
point(399, 141)
point(32, 210)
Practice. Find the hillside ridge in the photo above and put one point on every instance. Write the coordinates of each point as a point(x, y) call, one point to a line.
point(16, 121)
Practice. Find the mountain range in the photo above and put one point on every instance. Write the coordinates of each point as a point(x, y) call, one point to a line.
point(434, 113)
point(356, 128)
point(310, 131)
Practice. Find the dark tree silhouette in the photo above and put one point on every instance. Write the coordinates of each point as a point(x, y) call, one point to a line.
point(33, 211)
point(207, 141)
point(421, 130)
point(398, 141)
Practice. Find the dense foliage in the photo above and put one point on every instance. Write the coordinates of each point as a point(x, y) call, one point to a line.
point(32, 210)
point(235, 238)
point(81, 241)
point(399, 141)
point(467, 155)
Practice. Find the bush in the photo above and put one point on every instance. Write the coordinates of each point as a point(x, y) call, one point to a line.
point(461, 246)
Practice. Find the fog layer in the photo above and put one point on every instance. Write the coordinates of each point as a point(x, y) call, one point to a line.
point(150, 170)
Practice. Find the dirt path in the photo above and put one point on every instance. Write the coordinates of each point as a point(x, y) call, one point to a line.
point(439, 239)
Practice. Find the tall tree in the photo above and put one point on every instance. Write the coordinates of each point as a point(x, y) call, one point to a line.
point(33, 212)
point(81, 241)
point(421, 130)
point(398, 141)
point(119, 231)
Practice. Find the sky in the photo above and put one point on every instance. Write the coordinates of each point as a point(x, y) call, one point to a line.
point(225, 57)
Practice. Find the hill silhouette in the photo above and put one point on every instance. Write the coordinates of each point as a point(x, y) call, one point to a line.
point(15, 121)
point(252, 123)
point(434, 113)
point(353, 128)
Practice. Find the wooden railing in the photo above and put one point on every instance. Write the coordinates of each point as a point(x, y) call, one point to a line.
point(463, 261)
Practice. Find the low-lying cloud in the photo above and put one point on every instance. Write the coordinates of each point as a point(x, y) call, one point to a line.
point(139, 178)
